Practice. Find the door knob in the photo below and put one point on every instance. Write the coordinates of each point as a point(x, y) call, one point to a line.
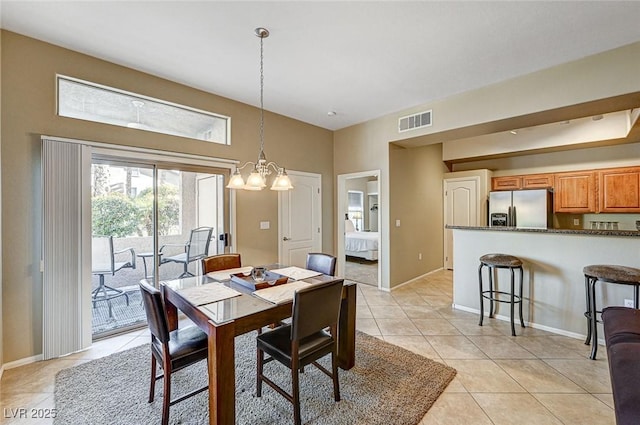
point(286, 239)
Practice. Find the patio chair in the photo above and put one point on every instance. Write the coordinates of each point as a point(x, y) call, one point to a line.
point(103, 261)
point(196, 248)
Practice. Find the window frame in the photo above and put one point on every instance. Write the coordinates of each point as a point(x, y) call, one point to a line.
point(358, 222)
point(137, 96)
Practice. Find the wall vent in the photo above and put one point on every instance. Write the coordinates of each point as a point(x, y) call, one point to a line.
point(411, 122)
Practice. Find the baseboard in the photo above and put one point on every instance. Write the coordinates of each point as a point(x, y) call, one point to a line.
point(22, 362)
point(415, 278)
point(557, 331)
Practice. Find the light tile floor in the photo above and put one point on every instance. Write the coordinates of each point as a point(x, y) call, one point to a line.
point(534, 378)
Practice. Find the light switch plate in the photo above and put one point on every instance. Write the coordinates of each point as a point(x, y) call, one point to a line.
point(265, 225)
point(397, 223)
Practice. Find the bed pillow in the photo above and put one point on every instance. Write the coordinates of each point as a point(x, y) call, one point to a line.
point(348, 226)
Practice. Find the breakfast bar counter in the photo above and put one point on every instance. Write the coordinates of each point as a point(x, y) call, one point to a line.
point(554, 285)
point(591, 232)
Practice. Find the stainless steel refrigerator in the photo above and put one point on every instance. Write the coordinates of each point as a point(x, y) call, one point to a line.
point(526, 209)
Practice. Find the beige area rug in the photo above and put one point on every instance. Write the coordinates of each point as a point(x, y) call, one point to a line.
point(388, 385)
point(361, 270)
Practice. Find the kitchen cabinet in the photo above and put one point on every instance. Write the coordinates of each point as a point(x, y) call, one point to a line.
point(527, 181)
point(575, 192)
point(613, 190)
point(537, 181)
point(619, 190)
point(506, 183)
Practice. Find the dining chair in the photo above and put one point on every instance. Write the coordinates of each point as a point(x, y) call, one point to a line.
point(172, 350)
point(220, 262)
point(304, 341)
point(321, 263)
point(196, 248)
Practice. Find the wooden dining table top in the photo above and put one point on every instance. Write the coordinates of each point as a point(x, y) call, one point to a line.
point(235, 308)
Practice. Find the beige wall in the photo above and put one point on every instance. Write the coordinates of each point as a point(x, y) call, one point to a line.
point(28, 110)
point(597, 84)
point(415, 198)
point(363, 148)
point(606, 82)
point(574, 133)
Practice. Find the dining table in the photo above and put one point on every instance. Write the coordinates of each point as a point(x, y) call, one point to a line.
point(243, 311)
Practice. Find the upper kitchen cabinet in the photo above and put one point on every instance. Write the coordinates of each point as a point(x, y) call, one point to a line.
point(537, 181)
point(575, 192)
point(527, 181)
point(506, 183)
point(619, 190)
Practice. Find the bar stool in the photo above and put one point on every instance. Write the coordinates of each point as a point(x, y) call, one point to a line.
point(500, 261)
point(611, 274)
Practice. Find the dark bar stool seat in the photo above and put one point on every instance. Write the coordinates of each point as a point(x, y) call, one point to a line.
point(611, 274)
point(501, 261)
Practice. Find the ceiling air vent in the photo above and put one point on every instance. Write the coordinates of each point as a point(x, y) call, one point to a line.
point(411, 122)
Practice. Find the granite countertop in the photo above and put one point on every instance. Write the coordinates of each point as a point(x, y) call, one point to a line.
point(632, 233)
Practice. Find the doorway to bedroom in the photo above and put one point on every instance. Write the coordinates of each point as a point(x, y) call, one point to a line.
point(360, 208)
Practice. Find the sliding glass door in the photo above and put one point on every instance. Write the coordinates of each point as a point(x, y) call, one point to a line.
point(150, 220)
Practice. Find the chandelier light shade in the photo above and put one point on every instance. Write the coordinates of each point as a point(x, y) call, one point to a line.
point(262, 168)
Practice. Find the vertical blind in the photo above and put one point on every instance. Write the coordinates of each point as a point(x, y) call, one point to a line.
point(66, 318)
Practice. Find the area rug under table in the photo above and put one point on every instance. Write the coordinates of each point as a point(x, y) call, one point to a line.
point(388, 385)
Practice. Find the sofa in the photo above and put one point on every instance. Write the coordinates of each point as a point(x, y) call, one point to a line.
point(622, 336)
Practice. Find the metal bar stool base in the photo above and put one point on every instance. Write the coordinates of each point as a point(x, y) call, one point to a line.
point(501, 261)
point(610, 274)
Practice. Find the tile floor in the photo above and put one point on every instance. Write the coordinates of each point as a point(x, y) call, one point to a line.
point(534, 378)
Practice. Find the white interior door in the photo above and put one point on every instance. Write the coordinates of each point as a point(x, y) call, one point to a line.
point(461, 208)
point(300, 219)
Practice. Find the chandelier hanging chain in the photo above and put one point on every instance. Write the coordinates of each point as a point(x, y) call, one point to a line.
point(261, 168)
point(262, 35)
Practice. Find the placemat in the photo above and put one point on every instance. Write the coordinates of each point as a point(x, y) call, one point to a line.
point(282, 293)
point(296, 273)
point(206, 294)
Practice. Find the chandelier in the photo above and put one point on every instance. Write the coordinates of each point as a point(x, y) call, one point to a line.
point(257, 180)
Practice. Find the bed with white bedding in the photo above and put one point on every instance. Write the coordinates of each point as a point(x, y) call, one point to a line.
point(360, 244)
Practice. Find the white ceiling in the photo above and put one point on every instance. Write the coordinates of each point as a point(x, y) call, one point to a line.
point(360, 59)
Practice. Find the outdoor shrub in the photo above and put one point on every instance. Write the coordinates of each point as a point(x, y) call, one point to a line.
point(168, 211)
point(114, 214)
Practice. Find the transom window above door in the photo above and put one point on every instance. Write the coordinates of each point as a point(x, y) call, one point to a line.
point(93, 102)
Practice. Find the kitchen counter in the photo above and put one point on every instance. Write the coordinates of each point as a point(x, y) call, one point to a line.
point(553, 259)
point(632, 233)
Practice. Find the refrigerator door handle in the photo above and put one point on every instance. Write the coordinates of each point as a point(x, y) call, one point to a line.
point(514, 217)
point(509, 216)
